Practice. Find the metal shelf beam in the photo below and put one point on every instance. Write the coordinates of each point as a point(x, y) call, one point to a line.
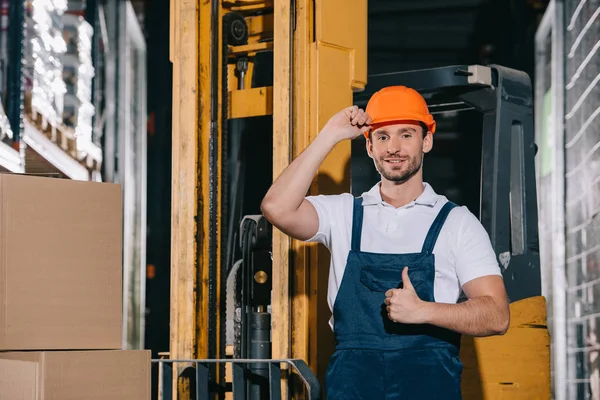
point(10, 160)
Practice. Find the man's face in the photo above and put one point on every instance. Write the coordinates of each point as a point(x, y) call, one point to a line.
point(397, 150)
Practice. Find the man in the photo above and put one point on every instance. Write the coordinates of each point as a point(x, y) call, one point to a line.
point(400, 256)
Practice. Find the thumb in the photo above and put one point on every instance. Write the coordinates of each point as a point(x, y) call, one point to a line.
point(405, 279)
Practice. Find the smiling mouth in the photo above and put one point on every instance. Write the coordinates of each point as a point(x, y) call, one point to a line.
point(395, 161)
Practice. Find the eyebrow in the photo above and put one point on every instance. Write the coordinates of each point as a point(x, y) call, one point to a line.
point(401, 130)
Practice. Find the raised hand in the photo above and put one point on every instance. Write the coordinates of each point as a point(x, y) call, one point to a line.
point(349, 123)
point(404, 305)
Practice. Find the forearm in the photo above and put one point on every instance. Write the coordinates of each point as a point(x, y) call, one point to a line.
point(481, 316)
point(290, 188)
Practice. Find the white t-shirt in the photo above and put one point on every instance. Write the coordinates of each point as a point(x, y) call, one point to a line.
point(462, 252)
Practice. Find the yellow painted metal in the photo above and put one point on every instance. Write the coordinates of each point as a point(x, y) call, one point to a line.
point(250, 49)
point(190, 53)
point(248, 5)
point(260, 27)
point(184, 56)
point(282, 111)
point(338, 62)
point(515, 366)
point(252, 102)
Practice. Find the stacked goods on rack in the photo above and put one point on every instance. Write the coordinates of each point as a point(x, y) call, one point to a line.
point(78, 72)
point(3, 45)
point(77, 7)
point(61, 295)
point(43, 60)
point(5, 131)
point(58, 89)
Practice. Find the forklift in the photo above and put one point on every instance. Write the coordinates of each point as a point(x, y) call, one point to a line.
point(255, 81)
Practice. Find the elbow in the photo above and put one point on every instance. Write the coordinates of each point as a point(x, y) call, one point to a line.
point(502, 328)
point(268, 209)
point(503, 323)
point(265, 208)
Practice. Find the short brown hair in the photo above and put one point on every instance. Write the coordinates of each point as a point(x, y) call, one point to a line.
point(421, 123)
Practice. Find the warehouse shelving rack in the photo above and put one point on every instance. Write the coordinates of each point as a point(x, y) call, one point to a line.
point(32, 143)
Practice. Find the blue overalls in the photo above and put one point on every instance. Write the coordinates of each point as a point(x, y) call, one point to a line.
point(376, 358)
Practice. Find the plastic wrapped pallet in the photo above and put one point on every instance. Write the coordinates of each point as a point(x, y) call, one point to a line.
point(78, 73)
point(43, 58)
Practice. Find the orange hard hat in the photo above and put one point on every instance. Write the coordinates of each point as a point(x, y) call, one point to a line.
point(398, 103)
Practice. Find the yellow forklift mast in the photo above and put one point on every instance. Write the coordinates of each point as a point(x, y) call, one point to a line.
point(248, 304)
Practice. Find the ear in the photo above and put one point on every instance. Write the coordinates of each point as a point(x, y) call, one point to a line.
point(428, 142)
point(369, 147)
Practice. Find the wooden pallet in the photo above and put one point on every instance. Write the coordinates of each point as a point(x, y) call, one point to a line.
point(61, 135)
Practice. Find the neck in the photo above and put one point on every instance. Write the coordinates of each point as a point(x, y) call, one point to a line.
point(400, 194)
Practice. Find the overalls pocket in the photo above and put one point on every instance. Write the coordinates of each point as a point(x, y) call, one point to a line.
point(380, 279)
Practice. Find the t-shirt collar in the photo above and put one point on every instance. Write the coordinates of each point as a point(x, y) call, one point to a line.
point(428, 198)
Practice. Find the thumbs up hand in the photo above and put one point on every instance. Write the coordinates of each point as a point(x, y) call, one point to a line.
point(404, 305)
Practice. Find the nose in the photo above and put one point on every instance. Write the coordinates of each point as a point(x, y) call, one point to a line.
point(394, 145)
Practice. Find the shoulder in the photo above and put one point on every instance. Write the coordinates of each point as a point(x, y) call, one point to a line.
point(342, 198)
point(461, 216)
point(333, 207)
point(332, 202)
point(334, 213)
point(467, 231)
point(458, 215)
point(464, 224)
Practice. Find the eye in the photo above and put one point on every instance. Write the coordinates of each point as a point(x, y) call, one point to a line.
point(407, 136)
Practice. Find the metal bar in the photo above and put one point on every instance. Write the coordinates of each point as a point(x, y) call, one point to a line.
point(518, 235)
point(582, 33)
point(165, 391)
point(489, 177)
point(584, 285)
point(309, 379)
point(16, 31)
point(275, 381)
point(215, 166)
point(584, 161)
point(239, 378)
point(585, 125)
point(575, 14)
point(109, 163)
point(239, 381)
point(583, 318)
point(551, 29)
point(201, 382)
point(591, 56)
point(583, 97)
point(426, 81)
point(583, 194)
point(583, 254)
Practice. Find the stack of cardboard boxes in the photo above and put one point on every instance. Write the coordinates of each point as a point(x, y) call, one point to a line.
point(61, 293)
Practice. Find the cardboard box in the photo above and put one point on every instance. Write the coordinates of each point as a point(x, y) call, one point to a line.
point(75, 375)
point(18, 380)
point(60, 264)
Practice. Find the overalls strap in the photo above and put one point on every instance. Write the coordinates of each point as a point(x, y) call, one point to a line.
point(357, 221)
point(436, 227)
